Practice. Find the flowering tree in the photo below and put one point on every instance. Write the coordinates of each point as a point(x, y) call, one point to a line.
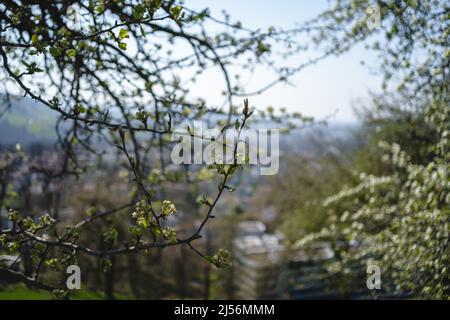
point(398, 219)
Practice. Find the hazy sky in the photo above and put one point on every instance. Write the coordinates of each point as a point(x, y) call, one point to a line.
point(320, 89)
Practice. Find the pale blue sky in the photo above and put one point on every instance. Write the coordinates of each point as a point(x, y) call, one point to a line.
point(319, 90)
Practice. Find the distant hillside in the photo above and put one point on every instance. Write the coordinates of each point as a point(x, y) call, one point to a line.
point(319, 137)
point(25, 122)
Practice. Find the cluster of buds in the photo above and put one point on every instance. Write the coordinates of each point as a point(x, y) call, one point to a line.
point(142, 214)
point(60, 294)
point(28, 224)
point(170, 234)
point(167, 209)
point(12, 215)
point(142, 116)
point(2, 239)
point(46, 220)
point(222, 259)
point(145, 219)
point(110, 236)
point(52, 263)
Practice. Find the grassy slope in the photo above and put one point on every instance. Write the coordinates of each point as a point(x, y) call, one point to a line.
point(21, 292)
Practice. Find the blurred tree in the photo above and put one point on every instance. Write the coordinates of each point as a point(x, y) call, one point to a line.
point(396, 215)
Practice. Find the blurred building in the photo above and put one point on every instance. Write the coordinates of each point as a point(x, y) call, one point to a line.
point(265, 269)
point(305, 275)
point(257, 261)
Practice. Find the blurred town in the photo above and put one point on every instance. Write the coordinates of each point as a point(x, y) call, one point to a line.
point(263, 266)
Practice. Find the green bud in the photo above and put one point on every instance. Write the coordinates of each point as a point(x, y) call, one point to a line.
point(222, 259)
point(170, 234)
point(167, 208)
point(12, 216)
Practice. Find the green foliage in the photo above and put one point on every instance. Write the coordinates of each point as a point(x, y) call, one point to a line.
point(110, 236)
point(221, 260)
point(203, 199)
point(52, 263)
point(393, 210)
point(71, 53)
point(106, 264)
point(176, 12)
point(32, 67)
point(12, 215)
point(399, 221)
